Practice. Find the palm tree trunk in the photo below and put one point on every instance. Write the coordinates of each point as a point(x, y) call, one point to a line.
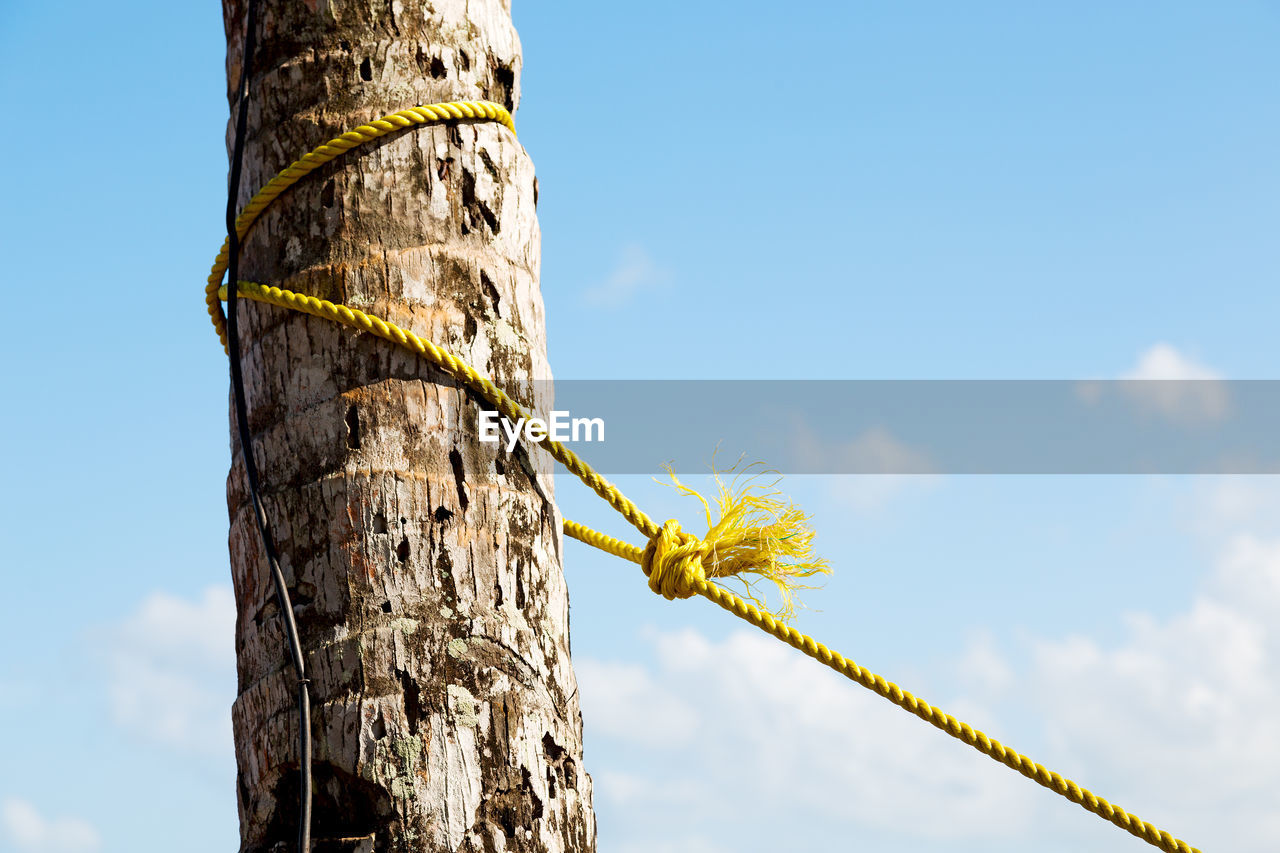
point(424, 564)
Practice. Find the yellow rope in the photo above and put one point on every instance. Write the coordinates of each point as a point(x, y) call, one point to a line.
point(332, 149)
point(677, 564)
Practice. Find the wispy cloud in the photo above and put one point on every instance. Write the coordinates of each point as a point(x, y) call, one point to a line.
point(28, 831)
point(1227, 505)
point(1171, 383)
point(634, 272)
point(686, 844)
point(1174, 718)
point(774, 729)
point(891, 467)
point(171, 670)
point(873, 451)
point(632, 704)
point(1181, 710)
point(1164, 361)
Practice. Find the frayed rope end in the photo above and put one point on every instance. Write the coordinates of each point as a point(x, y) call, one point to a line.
point(758, 536)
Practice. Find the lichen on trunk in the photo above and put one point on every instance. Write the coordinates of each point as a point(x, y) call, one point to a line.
point(424, 564)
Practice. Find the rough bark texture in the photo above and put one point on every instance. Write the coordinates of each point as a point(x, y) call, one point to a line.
point(425, 565)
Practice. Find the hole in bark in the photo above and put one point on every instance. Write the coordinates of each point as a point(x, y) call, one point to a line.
point(498, 467)
point(344, 44)
point(551, 784)
point(504, 86)
point(466, 60)
point(402, 550)
point(442, 168)
point(326, 194)
point(519, 588)
point(437, 68)
point(301, 597)
point(353, 428)
point(497, 592)
point(477, 208)
point(379, 523)
point(412, 701)
point(268, 610)
point(442, 515)
point(366, 69)
point(535, 192)
point(491, 290)
point(345, 807)
point(534, 803)
point(553, 750)
point(570, 775)
point(459, 477)
point(379, 727)
point(386, 607)
point(489, 166)
point(395, 27)
point(347, 845)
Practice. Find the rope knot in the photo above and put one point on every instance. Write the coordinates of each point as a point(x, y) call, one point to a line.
point(673, 560)
point(758, 536)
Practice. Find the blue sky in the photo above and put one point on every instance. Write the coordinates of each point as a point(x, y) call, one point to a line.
point(933, 190)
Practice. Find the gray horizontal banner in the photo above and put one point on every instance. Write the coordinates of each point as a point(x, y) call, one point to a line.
point(914, 427)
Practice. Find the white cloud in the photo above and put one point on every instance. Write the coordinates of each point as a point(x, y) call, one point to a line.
point(1180, 714)
point(982, 664)
point(1163, 361)
point(633, 791)
point(1229, 504)
point(892, 468)
point(778, 729)
point(1173, 384)
point(1174, 721)
point(631, 704)
point(31, 832)
point(635, 271)
point(171, 669)
point(877, 451)
point(690, 844)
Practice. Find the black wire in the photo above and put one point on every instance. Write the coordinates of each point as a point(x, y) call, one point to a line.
point(246, 441)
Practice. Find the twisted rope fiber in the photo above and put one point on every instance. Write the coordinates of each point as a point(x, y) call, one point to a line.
point(932, 714)
point(334, 148)
point(676, 563)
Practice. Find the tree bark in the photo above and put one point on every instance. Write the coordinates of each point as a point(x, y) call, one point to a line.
point(424, 565)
